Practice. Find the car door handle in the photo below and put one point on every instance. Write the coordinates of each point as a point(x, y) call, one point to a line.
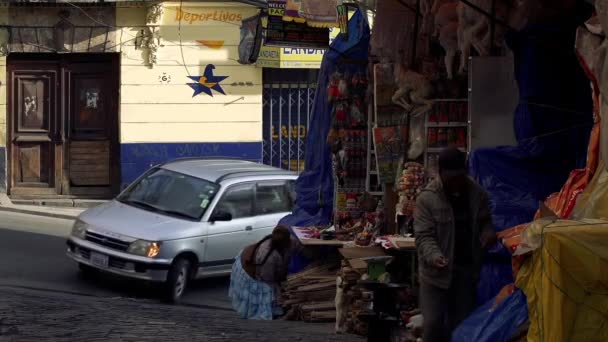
point(248, 228)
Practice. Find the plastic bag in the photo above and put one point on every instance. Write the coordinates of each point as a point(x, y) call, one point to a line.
point(417, 143)
point(495, 325)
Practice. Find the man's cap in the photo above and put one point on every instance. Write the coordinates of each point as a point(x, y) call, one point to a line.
point(452, 160)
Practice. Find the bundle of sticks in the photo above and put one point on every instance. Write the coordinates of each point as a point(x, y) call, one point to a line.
point(352, 300)
point(310, 295)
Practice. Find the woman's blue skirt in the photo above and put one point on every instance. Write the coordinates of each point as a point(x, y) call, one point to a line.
point(251, 298)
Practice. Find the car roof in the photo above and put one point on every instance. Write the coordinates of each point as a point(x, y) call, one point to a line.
point(219, 169)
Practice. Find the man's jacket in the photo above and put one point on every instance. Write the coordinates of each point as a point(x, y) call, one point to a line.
point(434, 229)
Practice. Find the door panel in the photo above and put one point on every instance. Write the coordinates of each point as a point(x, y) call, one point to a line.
point(34, 164)
point(90, 128)
point(227, 239)
point(34, 138)
point(63, 125)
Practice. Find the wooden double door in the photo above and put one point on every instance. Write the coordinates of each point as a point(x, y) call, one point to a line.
point(63, 125)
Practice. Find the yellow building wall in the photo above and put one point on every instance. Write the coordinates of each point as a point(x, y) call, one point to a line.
point(157, 105)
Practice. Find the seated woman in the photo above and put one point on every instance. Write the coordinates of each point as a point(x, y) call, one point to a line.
point(257, 274)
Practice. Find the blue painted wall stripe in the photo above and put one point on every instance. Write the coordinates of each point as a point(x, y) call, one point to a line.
point(136, 158)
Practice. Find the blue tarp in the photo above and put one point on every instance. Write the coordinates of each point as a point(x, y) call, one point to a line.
point(552, 125)
point(315, 186)
point(487, 325)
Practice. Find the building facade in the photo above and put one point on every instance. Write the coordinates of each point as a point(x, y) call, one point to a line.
point(92, 95)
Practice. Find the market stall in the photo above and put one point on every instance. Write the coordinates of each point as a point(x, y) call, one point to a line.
point(387, 103)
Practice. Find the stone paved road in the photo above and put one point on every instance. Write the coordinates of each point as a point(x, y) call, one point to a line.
point(31, 315)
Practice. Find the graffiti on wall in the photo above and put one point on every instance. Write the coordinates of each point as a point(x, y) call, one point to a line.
point(207, 82)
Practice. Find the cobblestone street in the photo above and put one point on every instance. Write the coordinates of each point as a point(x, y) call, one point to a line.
point(30, 315)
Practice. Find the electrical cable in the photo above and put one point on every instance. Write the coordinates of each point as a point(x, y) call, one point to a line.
point(179, 34)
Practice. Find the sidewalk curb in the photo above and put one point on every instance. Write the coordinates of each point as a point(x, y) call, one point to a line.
point(38, 213)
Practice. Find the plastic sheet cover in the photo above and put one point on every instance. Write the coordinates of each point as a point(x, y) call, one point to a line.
point(552, 124)
point(491, 324)
point(566, 283)
point(315, 186)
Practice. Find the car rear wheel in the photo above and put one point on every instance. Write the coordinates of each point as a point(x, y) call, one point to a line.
point(177, 280)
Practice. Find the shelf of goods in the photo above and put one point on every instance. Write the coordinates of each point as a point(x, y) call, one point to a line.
point(349, 140)
point(447, 124)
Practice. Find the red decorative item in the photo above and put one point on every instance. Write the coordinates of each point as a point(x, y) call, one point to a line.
point(340, 114)
point(442, 137)
point(432, 137)
point(333, 90)
point(461, 139)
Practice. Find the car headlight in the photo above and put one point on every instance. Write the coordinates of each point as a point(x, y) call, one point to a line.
point(144, 248)
point(79, 229)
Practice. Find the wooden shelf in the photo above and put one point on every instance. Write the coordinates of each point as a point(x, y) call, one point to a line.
point(376, 193)
point(447, 124)
point(450, 100)
point(439, 149)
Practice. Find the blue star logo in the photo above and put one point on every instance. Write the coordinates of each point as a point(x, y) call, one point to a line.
point(207, 82)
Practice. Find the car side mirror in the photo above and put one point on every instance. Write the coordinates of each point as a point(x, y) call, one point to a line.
point(221, 216)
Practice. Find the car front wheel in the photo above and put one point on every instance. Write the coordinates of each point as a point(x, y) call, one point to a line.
point(177, 280)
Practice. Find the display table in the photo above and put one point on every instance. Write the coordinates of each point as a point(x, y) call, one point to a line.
point(301, 234)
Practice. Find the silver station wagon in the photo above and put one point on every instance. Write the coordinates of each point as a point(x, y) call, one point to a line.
point(182, 220)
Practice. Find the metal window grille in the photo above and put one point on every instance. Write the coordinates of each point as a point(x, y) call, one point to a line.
point(288, 100)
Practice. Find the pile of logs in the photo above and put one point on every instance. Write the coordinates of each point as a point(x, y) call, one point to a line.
point(356, 300)
point(310, 295)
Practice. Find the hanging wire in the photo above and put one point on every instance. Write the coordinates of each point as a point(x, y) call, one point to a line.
point(85, 13)
point(179, 34)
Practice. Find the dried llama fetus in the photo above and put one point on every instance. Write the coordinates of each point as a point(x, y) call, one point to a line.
point(414, 91)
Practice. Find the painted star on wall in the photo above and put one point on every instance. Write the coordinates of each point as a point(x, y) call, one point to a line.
point(207, 82)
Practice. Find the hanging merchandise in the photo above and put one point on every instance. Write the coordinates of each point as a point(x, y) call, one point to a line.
point(390, 143)
point(251, 39)
point(346, 93)
point(320, 13)
point(315, 186)
point(411, 183)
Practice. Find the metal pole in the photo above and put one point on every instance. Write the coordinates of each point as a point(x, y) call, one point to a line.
point(492, 27)
point(415, 40)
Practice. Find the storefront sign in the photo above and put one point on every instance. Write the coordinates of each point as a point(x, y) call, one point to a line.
point(208, 15)
point(292, 34)
point(293, 57)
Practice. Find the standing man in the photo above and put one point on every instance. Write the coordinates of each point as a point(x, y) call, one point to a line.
point(452, 225)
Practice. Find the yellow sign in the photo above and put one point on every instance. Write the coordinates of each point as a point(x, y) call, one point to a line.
point(296, 132)
point(293, 58)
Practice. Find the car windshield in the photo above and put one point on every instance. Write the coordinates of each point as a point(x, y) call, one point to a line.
point(171, 193)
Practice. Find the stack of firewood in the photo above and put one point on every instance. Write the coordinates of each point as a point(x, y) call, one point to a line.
point(356, 300)
point(310, 295)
